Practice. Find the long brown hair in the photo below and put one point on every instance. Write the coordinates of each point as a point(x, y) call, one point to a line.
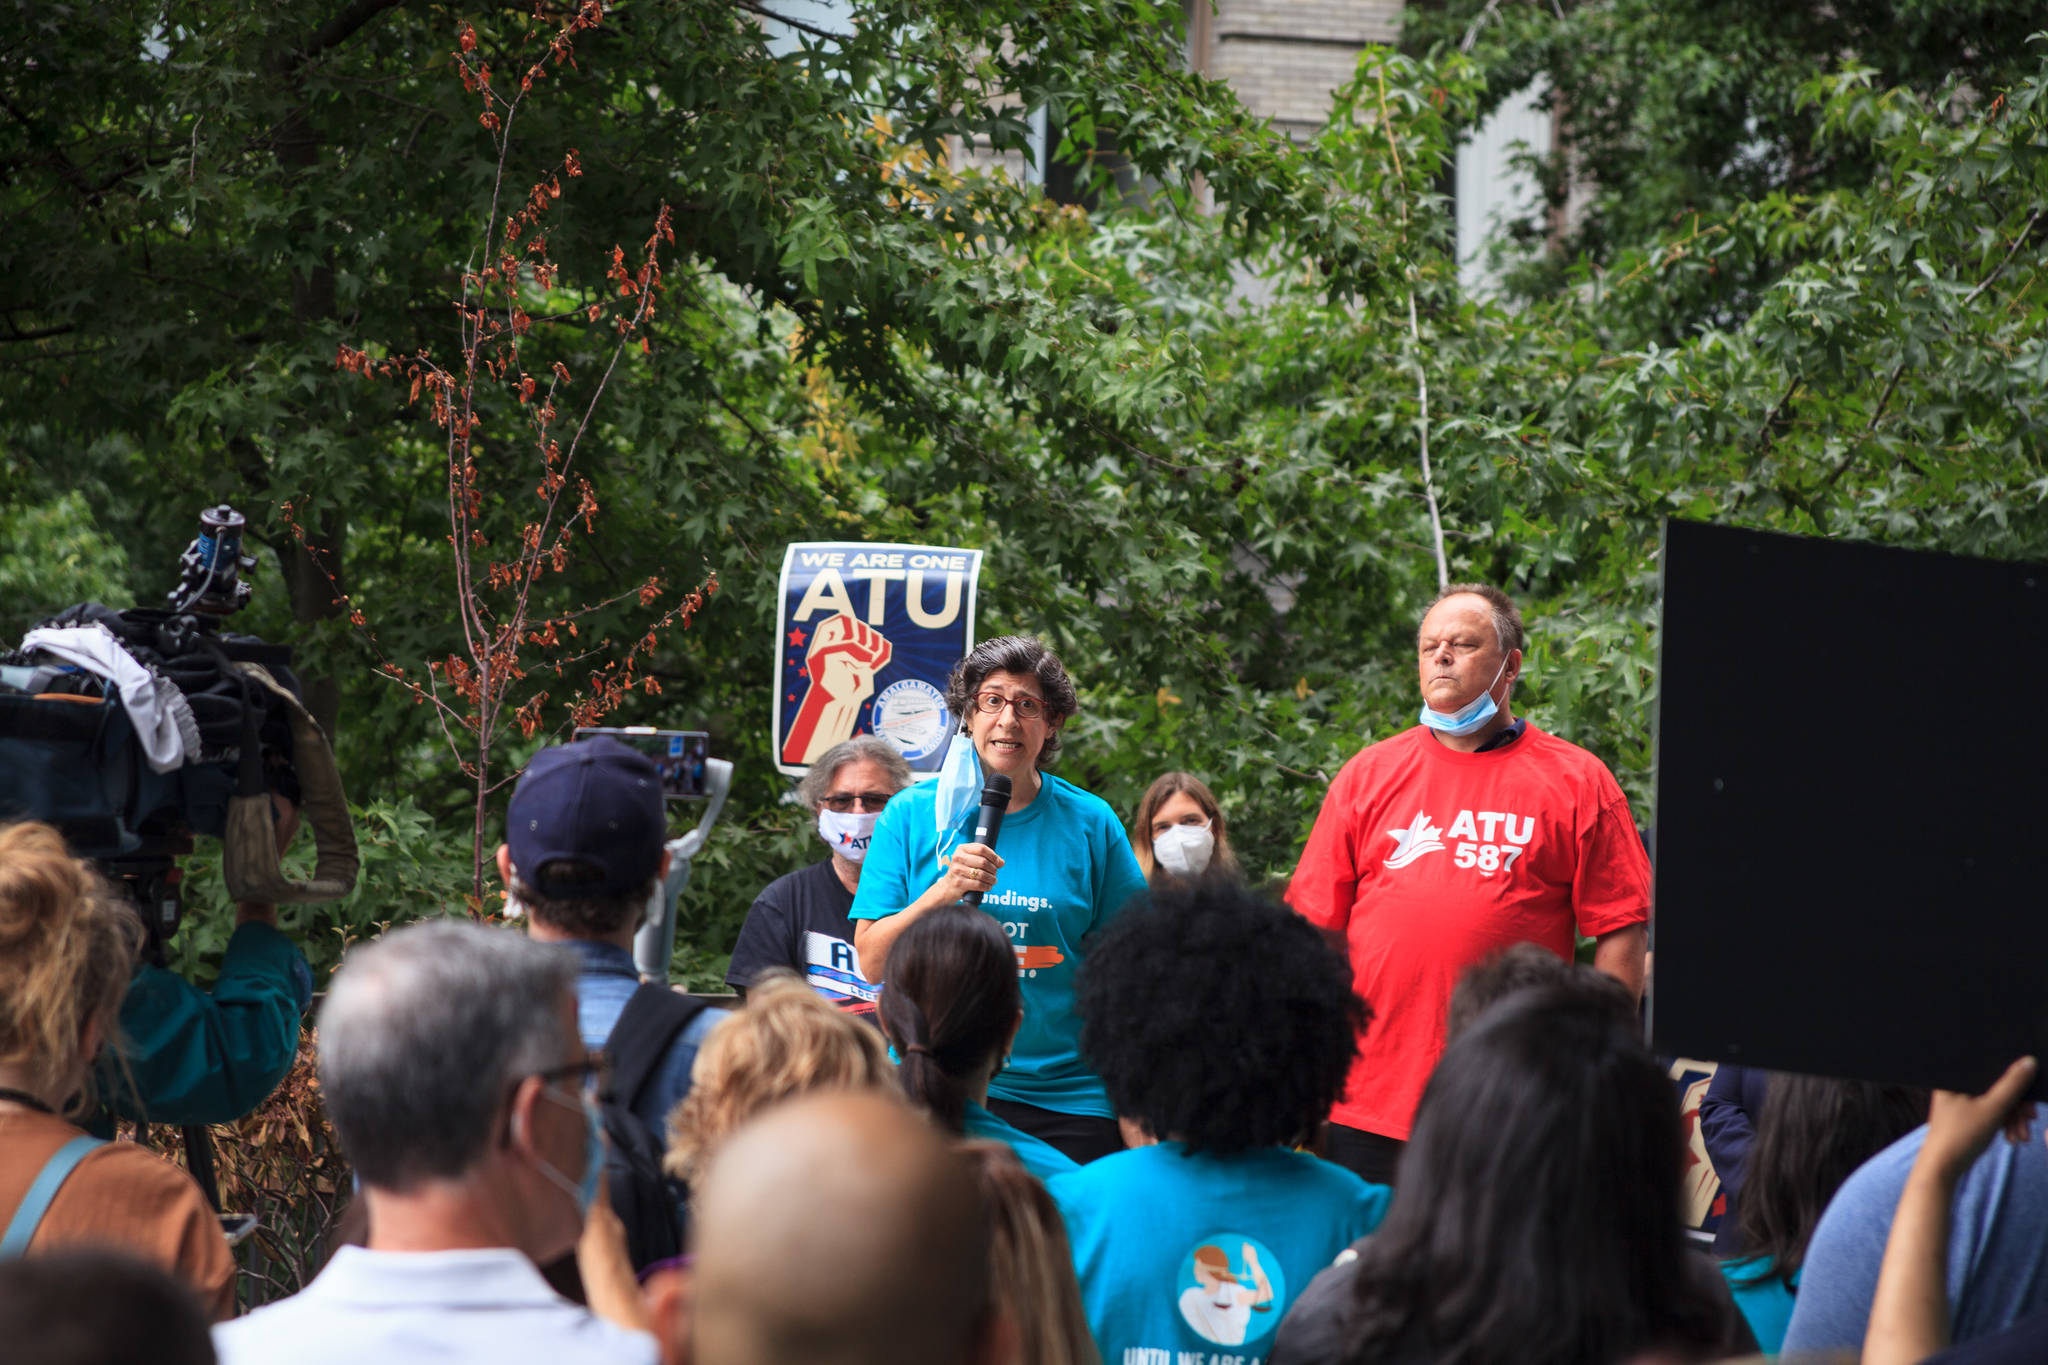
point(1031, 1266)
point(1560, 1246)
point(66, 950)
point(1811, 1136)
point(949, 1000)
point(1163, 788)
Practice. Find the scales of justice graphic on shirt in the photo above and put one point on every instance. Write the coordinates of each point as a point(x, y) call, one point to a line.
point(1231, 1289)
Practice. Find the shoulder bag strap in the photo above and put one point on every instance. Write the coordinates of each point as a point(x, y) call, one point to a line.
point(654, 1016)
point(36, 1202)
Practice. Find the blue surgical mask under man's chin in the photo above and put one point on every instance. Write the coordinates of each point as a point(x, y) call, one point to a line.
point(1472, 715)
point(584, 1194)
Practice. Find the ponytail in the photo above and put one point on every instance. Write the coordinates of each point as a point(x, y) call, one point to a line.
point(949, 998)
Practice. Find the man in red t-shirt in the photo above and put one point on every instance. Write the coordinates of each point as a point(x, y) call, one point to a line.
point(1453, 839)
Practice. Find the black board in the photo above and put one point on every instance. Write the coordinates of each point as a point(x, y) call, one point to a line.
point(1851, 826)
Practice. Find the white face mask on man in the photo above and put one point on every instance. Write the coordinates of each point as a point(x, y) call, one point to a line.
point(1185, 849)
point(848, 833)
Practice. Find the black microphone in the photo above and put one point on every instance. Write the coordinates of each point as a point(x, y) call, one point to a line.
point(995, 799)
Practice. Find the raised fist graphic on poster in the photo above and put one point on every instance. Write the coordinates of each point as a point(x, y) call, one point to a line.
point(866, 637)
point(845, 654)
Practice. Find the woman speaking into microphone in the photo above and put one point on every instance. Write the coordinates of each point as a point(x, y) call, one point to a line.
point(1064, 871)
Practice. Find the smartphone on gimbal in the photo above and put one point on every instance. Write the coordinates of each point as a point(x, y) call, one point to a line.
point(679, 754)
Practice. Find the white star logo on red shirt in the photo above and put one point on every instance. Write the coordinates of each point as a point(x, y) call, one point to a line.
point(1411, 843)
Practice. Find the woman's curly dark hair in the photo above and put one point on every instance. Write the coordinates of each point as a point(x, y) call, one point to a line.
point(1218, 1018)
point(1014, 654)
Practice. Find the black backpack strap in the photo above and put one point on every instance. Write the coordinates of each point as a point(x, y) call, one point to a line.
point(651, 1022)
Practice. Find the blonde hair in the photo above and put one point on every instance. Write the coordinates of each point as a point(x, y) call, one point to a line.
point(66, 951)
point(1031, 1267)
point(1164, 787)
point(785, 1041)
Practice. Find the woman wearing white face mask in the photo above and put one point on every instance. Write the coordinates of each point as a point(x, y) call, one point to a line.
point(800, 922)
point(1179, 830)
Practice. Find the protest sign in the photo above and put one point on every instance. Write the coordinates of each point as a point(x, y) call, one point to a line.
point(1848, 809)
point(864, 638)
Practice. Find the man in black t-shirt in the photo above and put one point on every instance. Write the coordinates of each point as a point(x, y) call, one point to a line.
point(799, 921)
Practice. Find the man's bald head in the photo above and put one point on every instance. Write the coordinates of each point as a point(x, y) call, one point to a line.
point(839, 1229)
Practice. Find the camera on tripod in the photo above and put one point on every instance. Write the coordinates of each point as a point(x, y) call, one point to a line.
point(134, 730)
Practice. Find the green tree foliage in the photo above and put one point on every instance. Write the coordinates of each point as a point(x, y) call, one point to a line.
point(1696, 109)
point(1207, 496)
point(54, 552)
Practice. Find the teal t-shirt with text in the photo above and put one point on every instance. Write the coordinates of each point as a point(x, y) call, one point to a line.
point(1193, 1260)
point(1067, 870)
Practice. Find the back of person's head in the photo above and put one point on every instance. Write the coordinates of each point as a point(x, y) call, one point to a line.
point(424, 1035)
point(1218, 1019)
point(567, 908)
point(66, 951)
point(840, 1229)
point(1527, 966)
point(1031, 1265)
point(584, 835)
point(785, 1040)
point(1537, 1218)
point(1811, 1136)
point(98, 1308)
point(949, 1003)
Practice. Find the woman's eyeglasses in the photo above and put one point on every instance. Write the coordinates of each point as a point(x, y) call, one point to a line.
point(870, 802)
point(1028, 707)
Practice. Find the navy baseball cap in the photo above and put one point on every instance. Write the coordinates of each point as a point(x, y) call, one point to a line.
point(597, 801)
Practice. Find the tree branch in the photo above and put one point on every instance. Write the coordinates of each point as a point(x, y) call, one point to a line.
point(1436, 524)
point(37, 334)
point(764, 12)
point(1898, 371)
point(342, 27)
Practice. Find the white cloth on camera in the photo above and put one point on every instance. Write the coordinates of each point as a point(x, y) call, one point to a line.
point(163, 720)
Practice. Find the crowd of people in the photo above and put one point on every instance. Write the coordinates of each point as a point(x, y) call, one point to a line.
point(1087, 1100)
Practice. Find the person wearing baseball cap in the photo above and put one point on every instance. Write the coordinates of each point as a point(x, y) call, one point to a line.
point(584, 853)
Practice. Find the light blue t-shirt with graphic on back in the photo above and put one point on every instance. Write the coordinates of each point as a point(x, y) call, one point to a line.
point(1067, 870)
point(1196, 1258)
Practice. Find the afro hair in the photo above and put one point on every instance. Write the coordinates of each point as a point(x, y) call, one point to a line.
point(1217, 1018)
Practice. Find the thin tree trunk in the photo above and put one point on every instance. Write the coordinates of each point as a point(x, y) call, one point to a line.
point(1436, 522)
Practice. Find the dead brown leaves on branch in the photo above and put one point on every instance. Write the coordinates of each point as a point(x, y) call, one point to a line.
point(514, 655)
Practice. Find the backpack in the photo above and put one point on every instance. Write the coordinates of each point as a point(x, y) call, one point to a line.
point(646, 1200)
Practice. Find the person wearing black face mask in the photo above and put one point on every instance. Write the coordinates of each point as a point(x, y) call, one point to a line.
point(799, 921)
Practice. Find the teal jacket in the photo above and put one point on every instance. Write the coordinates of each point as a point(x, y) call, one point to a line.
point(199, 1058)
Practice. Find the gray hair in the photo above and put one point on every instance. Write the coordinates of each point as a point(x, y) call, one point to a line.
point(423, 1035)
point(873, 748)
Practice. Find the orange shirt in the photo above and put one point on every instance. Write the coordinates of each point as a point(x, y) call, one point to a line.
point(123, 1196)
point(1428, 860)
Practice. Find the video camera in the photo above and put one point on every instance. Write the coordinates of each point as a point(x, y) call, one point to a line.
point(134, 730)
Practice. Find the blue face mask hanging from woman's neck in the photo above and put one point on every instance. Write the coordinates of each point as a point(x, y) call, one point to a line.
point(959, 786)
point(1472, 715)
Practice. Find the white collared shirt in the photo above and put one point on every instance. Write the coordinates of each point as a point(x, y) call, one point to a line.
point(399, 1307)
